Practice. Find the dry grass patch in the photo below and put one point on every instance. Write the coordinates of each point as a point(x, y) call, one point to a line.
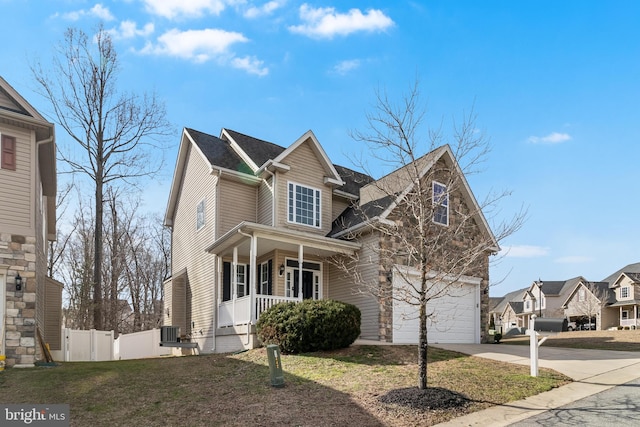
point(321, 389)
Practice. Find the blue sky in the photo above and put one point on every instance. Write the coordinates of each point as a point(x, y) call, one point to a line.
point(555, 86)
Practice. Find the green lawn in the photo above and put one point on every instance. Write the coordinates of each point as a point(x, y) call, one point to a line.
point(332, 388)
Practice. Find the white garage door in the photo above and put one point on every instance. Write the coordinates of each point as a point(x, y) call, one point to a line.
point(455, 316)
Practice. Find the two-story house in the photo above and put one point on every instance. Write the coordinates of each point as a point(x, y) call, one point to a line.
point(588, 304)
point(30, 302)
point(625, 284)
point(254, 223)
point(546, 299)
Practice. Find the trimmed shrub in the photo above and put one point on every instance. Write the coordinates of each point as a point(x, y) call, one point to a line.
point(309, 325)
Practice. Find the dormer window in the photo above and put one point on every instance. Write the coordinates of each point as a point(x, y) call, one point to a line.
point(440, 204)
point(304, 205)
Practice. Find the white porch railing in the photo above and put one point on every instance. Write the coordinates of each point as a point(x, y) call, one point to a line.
point(264, 302)
point(629, 322)
point(238, 311)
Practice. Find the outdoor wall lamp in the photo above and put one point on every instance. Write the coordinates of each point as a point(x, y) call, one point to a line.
point(281, 270)
point(18, 282)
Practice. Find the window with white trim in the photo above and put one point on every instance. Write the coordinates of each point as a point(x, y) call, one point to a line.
point(582, 294)
point(241, 280)
point(625, 314)
point(440, 204)
point(264, 278)
point(624, 292)
point(304, 205)
point(527, 305)
point(200, 214)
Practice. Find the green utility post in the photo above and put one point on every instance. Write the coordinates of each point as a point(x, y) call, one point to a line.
point(275, 366)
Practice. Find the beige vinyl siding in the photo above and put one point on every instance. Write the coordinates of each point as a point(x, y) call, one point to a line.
point(188, 251)
point(343, 288)
point(306, 169)
point(338, 206)
point(52, 331)
point(17, 189)
point(6, 102)
point(167, 310)
point(265, 203)
point(238, 202)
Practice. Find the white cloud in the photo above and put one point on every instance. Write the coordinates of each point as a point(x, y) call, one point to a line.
point(129, 29)
point(525, 251)
point(204, 45)
point(326, 23)
point(195, 45)
point(97, 11)
point(346, 66)
point(552, 138)
point(251, 65)
point(264, 10)
point(574, 259)
point(185, 8)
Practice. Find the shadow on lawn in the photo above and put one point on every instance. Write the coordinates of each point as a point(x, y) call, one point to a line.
point(208, 390)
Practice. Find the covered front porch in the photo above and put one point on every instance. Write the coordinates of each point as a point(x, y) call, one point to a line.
point(259, 266)
point(629, 313)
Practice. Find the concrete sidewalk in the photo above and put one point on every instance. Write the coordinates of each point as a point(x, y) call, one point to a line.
point(593, 371)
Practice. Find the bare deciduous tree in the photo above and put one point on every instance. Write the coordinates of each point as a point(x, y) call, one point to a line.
point(591, 299)
point(117, 132)
point(428, 230)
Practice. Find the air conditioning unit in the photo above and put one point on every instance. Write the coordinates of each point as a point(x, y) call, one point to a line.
point(170, 334)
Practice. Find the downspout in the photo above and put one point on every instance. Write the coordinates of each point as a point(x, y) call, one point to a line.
point(216, 303)
point(252, 277)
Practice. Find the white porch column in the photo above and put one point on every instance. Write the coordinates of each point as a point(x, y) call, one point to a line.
point(234, 282)
point(253, 277)
point(300, 261)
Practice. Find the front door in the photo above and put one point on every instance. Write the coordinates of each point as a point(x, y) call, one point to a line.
point(307, 284)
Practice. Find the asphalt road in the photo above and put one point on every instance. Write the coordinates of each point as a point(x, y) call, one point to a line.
point(618, 406)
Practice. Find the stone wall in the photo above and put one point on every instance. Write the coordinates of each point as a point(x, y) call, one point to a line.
point(21, 344)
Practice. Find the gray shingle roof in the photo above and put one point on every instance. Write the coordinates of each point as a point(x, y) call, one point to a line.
point(353, 180)
point(258, 150)
point(631, 268)
point(354, 215)
point(218, 152)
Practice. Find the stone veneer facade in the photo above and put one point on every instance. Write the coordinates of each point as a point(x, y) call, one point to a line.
point(21, 344)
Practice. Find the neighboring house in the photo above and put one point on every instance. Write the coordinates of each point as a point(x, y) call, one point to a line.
point(254, 224)
point(507, 310)
point(27, 224)
point(588, 302)
point(627, 299)
point(545, 299)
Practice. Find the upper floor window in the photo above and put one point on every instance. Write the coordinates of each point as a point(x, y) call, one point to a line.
point(582, 294)
point(527, 305)
point(624, 292)
point(200, 215)
point(440, 204)
point(7, 152)
point(304, 205)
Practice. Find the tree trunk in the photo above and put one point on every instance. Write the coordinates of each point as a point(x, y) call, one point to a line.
point(97, 259)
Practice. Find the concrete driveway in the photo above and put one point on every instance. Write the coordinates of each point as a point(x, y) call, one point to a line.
point(593, 371)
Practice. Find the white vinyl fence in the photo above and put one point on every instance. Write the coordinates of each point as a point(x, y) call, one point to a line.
point(95, 346)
